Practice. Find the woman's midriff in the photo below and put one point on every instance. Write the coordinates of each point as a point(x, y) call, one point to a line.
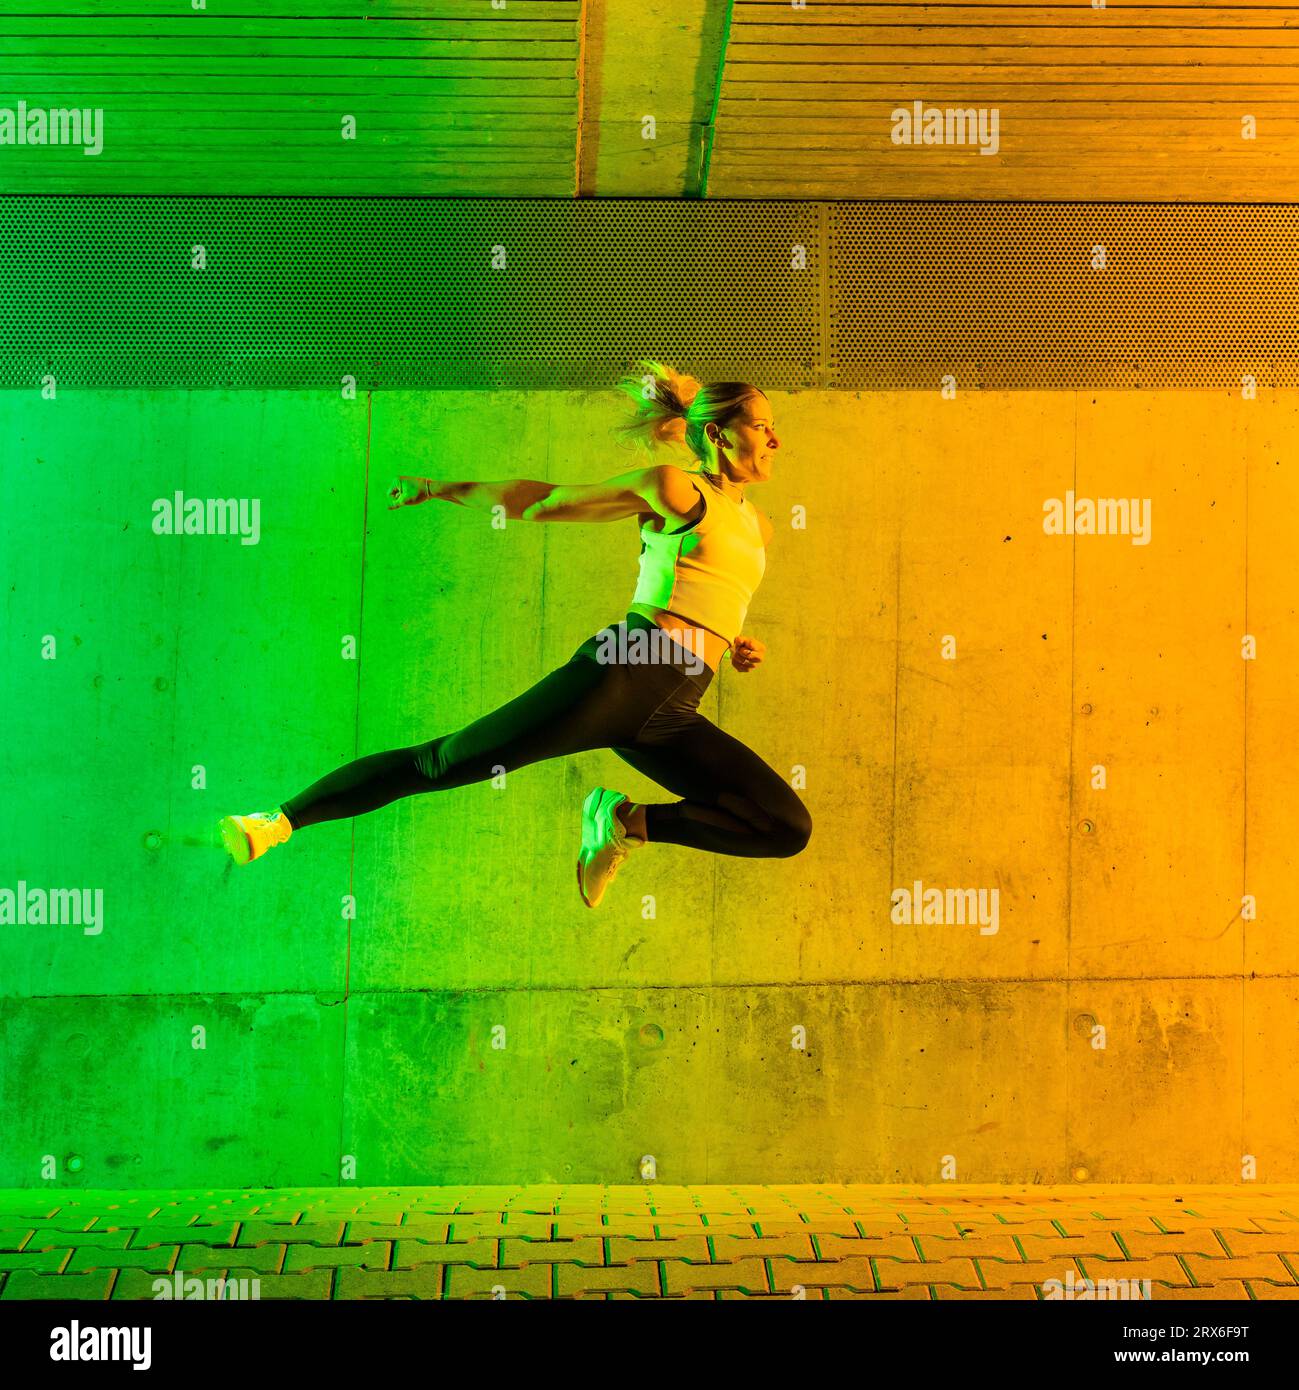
point(701, 641)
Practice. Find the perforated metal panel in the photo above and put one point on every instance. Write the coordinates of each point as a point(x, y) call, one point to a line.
point(1063, 295)
point(102, 292)
point(298, 292)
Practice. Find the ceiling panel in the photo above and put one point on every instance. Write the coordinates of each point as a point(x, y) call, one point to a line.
point(447, 96)
point(1127, 102)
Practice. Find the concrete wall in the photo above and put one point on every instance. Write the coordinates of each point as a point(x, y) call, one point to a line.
point(238, 1027)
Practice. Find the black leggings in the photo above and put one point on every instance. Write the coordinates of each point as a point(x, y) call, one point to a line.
point(647, 712)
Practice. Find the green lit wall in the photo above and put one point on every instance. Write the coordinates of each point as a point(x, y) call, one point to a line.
point(238, 1027)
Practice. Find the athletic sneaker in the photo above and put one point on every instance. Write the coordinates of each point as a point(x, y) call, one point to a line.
point(605, 844)
point(249, 837)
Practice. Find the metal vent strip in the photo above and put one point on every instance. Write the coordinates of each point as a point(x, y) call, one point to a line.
point(297, 293)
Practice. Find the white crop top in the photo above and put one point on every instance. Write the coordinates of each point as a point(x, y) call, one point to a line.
point(708, 571)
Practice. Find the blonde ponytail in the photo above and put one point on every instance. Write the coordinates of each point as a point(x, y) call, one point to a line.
point(672, 408)
point(663, 397)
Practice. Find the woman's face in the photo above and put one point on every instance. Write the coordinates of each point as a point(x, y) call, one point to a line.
point(749, 442)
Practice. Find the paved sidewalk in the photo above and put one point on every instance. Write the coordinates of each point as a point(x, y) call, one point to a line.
point(825, 1242)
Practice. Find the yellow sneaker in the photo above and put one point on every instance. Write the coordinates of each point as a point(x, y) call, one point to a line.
point(249, 837)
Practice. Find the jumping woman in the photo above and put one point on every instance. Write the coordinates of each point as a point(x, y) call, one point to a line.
point(634, 687)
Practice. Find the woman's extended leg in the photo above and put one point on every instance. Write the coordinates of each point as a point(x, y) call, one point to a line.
point(582, 705)
point(734, 802)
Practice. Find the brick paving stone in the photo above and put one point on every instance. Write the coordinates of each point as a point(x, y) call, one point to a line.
point(794, 1247)
point(1262, 1243)
point(1005, 1274)
point(750, 1275)
point(1146, 1244)
point(834, 1247)
point(195, 1258)
point(844, 1226)
point(138, 1284)
point(374, 1254)
point(467, 1227)
point(16, 1237)
point(434, 1232)
point(1269, 1267)
point(570, 1228)
point(1177, 1221)
point(626, 1250)
point(1056, 1247)
point(1275, 1224)
point(411, 1254)
point(61, 1240)
point(884, 1229)
point(25, 1284)
point(1042, 1230)
point(895, 1274)
point(44, 1261)
point(533, 1281)
point(159, 1258)
point(728, 1295)
point(915, 1293)
point(846, 1273)
point(589, 1250)
point(315, 1286)
point(274, 1233)
point(1012, 1293)
point(1161, 1269)
point(642, 1278)
point(422, 1283)
point(1261, 1289)
point(222, 1234)
point(1226, 1290)
point(990, 1247)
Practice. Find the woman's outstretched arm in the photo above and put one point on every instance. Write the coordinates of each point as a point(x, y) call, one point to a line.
point(665, 490)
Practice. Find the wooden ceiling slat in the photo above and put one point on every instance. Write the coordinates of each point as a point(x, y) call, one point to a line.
point(427, 90)
point(249, 98)
point(179, 26)
point(800, 59)
point(1089, 102)
point(845, 114)
point(377, 12)
point(1245, 30)
point(753, 75)
point(116, 48)
point(1172, 145)
point(1011, 185)
point(949, 91)
point(273, 183)
point(959, 157)
point(834, 15)
point(408, 104)
point(285, 71)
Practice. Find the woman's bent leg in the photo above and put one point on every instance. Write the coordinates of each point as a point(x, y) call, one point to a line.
point(581, 705)
point(734, 802)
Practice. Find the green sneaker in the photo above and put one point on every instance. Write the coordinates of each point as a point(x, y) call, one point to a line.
point(605, 844)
